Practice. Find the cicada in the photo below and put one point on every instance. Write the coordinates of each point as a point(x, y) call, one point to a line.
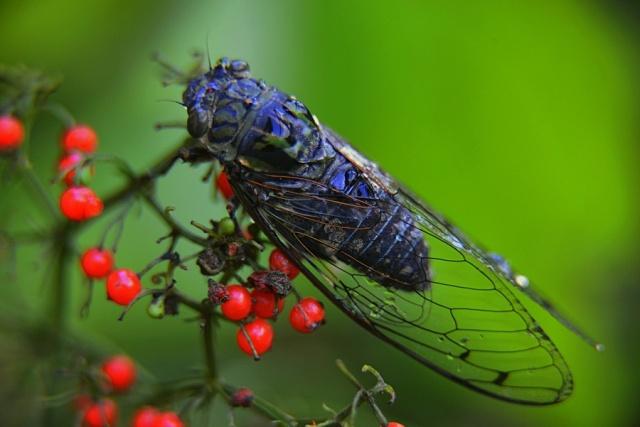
point(385, 258)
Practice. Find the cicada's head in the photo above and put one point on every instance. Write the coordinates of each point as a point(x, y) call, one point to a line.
point(210, 95)
point(199, 98)
point(204, 92)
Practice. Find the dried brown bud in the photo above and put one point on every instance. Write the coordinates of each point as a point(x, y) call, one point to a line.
point(275, 281)
point(217, 293)
point(210, 262)
point(171, 305)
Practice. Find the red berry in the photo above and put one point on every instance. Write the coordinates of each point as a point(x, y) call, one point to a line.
point(123, 285)
point(307, 315)
point(80, 204)
point(145, 417)
point(120, 372)
point(11, 133)
point(168, 419)
point(80, 138)
point(223, 185)
point(238, 304)
point(279, 261)
point(264, 303)
point(394, 424)
point(97, 263)
point(258, 333)
point(101, 414)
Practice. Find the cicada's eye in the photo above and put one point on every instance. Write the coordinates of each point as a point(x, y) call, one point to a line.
point(239, 69)
point(198, 123)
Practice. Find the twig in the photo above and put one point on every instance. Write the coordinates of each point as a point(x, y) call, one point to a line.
point(209, 353)
point(26, 168)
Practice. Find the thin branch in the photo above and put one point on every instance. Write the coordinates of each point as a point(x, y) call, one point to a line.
point(175, 226)
point(209, 351)
point(26, 168)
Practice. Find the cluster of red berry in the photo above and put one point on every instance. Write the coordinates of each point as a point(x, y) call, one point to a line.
point(255, 336)
point(78, 202)
point(118, 375)
point(123, 285)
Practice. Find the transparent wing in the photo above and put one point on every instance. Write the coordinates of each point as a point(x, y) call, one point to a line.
point(467, 325)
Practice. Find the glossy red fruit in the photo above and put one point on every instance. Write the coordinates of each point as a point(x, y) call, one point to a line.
point(307, 315)
point(145, 417)
point(11, 133)
point(120, 372)
point(123, 285)
point(100, 414)
point(279, 261)
point(97, 263)
point(80, 204)
point(168, 419)
point(223, 185)
point(80, 138)
point(238, 303)
point(257, 334)
point(394, 424)
point(266, 304)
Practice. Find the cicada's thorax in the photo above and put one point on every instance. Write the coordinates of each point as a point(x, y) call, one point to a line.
point(281, 159)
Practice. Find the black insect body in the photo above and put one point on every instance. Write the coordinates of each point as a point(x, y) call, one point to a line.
point(388, 261)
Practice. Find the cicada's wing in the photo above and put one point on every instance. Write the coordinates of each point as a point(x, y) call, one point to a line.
point(425, 216)
point(467, 325)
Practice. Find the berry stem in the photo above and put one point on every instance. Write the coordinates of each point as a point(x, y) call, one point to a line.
point(60, 113)
point(265, 408)
point(362, 395)
point(256, 356)
point(208, 333)
point(118, 223)
point(168, 219)
point(60, 279)
point(26, 168)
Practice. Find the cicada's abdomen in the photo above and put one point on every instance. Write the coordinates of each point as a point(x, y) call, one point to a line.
point(386, 245)
point(343, 216)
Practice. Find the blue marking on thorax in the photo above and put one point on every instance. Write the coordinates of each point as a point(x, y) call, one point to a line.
point(277, 128)
point(348, 180)
point(338, 181)
point(362, 190)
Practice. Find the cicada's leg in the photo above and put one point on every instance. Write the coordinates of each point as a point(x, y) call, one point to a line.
point(195, 154)
point(173, 75)
point(173, 124)
point(232, 208)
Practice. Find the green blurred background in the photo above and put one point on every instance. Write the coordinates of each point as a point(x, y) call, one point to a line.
point(518, 120)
